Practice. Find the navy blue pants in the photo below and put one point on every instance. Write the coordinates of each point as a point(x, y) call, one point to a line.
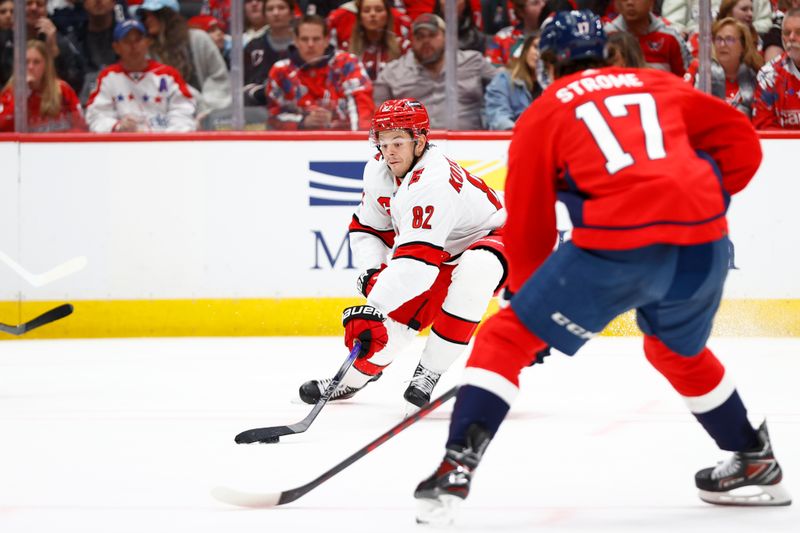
point(676, 291)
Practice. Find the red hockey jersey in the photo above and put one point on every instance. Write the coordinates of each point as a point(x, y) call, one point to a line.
point(618, 147)
point(777, 99)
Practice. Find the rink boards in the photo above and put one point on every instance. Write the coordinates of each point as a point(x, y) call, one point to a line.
point(245, 234)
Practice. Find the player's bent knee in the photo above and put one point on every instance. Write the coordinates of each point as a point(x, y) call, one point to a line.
point(480, 270)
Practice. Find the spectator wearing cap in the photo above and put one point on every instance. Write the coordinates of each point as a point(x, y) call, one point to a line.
point(190, 51)
point(317, 87)
point(139, 94)
point(420, 74)
point(212, 27)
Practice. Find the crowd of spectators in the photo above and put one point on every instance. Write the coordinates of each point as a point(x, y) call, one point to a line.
point(326, 64)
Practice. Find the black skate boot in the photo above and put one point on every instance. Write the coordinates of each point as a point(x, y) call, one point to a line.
point(439, 496)
point(312, 391)
point(419, 390)
point(749, 478)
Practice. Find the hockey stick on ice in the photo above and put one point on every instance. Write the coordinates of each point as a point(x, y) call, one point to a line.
point(273, 433)
point(37, 280)
point(45, 318)
point(243, 499)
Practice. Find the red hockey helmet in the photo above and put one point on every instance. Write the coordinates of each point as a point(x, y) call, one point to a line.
point(402, 114)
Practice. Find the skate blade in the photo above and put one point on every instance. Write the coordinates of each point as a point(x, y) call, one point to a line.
point(439, 512)
point(749, 496)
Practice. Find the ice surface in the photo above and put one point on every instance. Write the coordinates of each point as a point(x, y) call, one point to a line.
point(130, 435)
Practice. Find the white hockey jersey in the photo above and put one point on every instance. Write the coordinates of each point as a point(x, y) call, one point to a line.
point(418, 223)
point(157, 96)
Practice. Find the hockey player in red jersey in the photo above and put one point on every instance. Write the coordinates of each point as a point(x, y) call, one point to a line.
point(427, 239)
point(638, 160)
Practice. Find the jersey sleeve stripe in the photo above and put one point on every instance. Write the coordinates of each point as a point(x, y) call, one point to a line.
point(386, 236)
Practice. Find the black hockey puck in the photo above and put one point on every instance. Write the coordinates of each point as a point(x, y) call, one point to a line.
point(270, 440)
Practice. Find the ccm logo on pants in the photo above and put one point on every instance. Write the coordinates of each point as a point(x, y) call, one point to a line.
point(572, 327)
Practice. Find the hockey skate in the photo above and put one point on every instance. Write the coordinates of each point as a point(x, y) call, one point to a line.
point(419, 390)
point(311, 391)
point(440, 495)
point(751, 478)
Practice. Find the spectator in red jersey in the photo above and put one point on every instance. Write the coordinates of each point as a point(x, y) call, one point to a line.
point(663, 47)
point(470, 37)
point(373, 39)
point(623, 50)
point(317, 87)
point(190, 51)
point(513, 89)
point(777, 100)
point(139, 94)
point(734, 66)
point(52, 104)
point(420, 74)
point(266, 49)
point(530, 14)
point(255, 20)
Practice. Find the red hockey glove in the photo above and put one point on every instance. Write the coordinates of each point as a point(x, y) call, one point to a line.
point(367, 279)
point(364, 323)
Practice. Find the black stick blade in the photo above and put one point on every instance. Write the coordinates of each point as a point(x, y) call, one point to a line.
point(45, 318)
point(263, 435)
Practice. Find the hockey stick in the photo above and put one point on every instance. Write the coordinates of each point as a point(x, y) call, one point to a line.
point(37, 280)
point(272, 434)
point(45, 318)
point(243, 499)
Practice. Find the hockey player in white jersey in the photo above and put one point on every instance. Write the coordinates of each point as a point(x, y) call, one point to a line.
point(427, 238)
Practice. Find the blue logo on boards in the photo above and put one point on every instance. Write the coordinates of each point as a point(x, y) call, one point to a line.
point(335, 183)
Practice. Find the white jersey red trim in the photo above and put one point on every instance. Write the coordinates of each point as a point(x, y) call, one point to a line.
point(157, 96)
point(436, 212)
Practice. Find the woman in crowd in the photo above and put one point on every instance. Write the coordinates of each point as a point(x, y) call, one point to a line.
point(513, 88)
point(52, 104)
point(255, 20)
point(734, 66)
point(190, 51)
point(374, 39)
point(741, 10)
point(264, 50)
